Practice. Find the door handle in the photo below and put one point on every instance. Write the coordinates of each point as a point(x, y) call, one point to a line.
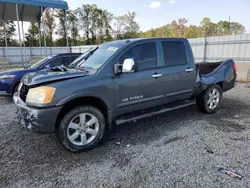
point(157, 75)
point(189, 70)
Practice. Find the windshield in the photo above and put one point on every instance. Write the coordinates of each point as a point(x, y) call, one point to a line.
point(77, 60)
point(100, 56)
point(40, 62)
point(80, 59)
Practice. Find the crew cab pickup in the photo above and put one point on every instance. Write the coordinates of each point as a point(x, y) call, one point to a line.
point(119, 82)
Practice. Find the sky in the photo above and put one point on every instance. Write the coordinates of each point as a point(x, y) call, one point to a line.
point(153, 14)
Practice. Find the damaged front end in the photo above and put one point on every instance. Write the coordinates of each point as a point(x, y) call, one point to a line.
point(38, 120)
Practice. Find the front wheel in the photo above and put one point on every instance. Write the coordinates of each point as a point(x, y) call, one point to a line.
point(81, 129)
point(209, 101)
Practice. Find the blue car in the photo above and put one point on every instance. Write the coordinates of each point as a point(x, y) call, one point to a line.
point(9, 80)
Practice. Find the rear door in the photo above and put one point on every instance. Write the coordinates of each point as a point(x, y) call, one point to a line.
point(139, 90)
point(179, 74)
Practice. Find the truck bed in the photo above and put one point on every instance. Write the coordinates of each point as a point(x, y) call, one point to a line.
point(210, 73)
point(208, 67)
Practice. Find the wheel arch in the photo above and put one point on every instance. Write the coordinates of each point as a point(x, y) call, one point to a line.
point(14, 84)
point(84, 100)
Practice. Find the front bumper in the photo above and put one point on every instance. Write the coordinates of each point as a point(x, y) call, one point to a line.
point(38, 120)
point(5, 88)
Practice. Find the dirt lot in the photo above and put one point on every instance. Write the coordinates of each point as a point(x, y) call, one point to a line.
point(183, 148)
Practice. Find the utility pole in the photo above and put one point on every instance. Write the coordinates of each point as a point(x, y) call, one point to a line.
point(229, 25)
point(205, 47)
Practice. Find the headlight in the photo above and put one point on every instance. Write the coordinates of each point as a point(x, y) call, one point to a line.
point(41, 95)
point(7, 77)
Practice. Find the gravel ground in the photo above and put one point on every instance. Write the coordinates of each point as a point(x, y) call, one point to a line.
point(183, 148)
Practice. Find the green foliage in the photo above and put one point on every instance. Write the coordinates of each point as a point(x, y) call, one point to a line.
point(10, 32)
point(206, 28)
point(95, 22)
point(125, 26)
point(60, 42)
point(61, 30)
point(90, 24)
point(73, 27)
point(32, 37)
point(50, 24)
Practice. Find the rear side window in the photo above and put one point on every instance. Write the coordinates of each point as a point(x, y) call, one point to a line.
point(67, 61)
point(56, 62)
point(73, 58)
point(144, 54)
point(174, 53)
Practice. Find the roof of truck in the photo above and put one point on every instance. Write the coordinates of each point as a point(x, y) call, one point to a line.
point(121, 42)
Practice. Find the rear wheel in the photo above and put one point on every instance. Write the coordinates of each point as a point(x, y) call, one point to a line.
point(209, 100)
point(81, 129)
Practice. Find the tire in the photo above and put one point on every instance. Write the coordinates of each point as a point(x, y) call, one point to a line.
point(81, 129)
point(15, 88)
point(209, 100)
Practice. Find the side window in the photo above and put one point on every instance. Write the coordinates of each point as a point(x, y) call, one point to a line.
point(73, 58)
point(67, 61)
point(56, 62)
point(144, 54)
point(174, 53)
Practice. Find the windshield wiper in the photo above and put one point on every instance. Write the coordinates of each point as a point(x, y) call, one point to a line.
point(85, 57)
point(90, 53)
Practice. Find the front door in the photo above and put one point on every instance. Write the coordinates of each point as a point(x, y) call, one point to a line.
point(142, 89)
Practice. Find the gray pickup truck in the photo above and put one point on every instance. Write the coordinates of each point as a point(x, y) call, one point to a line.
point(119, 82)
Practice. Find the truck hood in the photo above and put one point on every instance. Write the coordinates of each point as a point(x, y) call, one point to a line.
point(45, 76)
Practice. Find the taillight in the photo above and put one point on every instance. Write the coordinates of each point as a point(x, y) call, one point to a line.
point(234, 67)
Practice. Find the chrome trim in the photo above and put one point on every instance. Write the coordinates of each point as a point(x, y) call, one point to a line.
point(189, 70)
point(156, 75)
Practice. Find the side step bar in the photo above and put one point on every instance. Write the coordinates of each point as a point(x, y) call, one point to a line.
point(163, 110)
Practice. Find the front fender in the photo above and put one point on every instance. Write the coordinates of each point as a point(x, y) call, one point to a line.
point(90, 94)
point(83, 94)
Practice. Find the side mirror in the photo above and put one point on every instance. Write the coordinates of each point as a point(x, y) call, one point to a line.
point(117, 69)
point(128, 66)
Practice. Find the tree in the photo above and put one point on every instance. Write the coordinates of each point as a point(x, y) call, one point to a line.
point(73, 26)
point(120, 24)
point(132, 26)
point(208, 28)
point(237, 28)
point(32, 36)
point(10, 32)
point(164, 31)
point(84, 17)
point(96, 23)
point(126, 26)
point(50, 24)
point(61, 30)
point(106, 28)
point(226, 28)
point(174, 29)
point(181, 26)
point(191, 32)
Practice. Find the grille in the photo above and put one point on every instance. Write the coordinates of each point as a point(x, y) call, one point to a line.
point(24, 92)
